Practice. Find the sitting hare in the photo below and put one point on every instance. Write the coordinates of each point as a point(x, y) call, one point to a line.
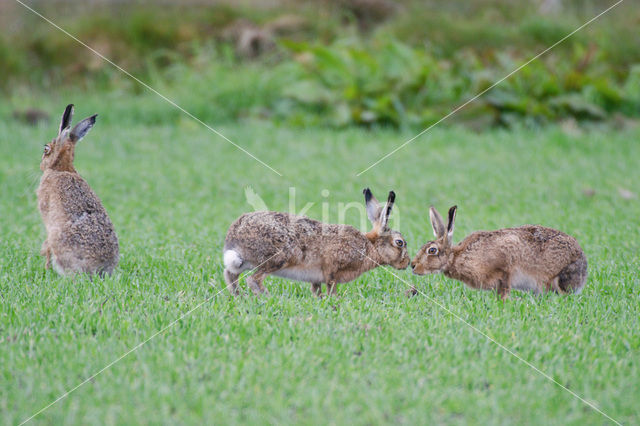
point(529, 257)
point(80, 236)
point(304, 249)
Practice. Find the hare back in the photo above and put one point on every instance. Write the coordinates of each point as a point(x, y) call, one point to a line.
point(69, 193)
point(531, 253)
point(275, 241)
point(79, 231)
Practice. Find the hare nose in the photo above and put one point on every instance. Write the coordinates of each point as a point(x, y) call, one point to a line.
point(413, 264)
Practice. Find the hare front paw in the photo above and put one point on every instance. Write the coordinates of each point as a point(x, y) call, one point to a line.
point(411, 292)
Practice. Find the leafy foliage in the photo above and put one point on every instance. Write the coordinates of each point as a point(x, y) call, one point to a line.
point(408, 70)
point(389, 82)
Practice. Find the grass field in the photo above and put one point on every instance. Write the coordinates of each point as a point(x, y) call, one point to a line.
point(369, 356)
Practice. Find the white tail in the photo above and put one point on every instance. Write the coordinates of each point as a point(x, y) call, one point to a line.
point(233, 261)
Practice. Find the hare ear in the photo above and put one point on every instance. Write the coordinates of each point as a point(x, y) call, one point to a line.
point(373, 207)
point(82, 128)
point(450, 225)
point(436, 222)
point(386, 210)
point(66, 118)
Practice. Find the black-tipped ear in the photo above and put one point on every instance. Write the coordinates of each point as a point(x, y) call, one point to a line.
point(82, 128)
point(372, 206)
point(66, 118)
point(386, 212)
point(436, 222)
point(367, 194)
point(392, 197)
point(452, 219)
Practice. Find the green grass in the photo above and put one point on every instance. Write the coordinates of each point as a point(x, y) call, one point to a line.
point(368, 356)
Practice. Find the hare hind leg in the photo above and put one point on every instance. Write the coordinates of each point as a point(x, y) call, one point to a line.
point(572, 277)
point(255, 283)
point(232, 282)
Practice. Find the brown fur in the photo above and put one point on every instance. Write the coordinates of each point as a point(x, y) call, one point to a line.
point(304, 249)
point(80, 236)
point(528, 257)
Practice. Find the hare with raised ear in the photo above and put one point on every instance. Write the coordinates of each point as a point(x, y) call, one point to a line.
point(80, 236)
point(529, 257)
point(304, 249)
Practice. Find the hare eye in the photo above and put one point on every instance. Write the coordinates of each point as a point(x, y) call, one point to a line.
point(432, 250)
point(47, 149)
point(399, 243)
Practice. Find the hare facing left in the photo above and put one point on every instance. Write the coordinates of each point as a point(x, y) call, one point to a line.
point(80, 235)
point(530, 257)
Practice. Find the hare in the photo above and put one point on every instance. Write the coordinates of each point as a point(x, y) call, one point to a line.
point(529, 257)
point(80, 236)
point(304, 249)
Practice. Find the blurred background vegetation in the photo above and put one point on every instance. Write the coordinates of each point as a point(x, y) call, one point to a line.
point(331, 62)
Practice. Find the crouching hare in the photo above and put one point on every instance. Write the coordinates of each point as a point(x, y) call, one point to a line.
point(529, 257)
point(80, 236)
point(304, 249)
